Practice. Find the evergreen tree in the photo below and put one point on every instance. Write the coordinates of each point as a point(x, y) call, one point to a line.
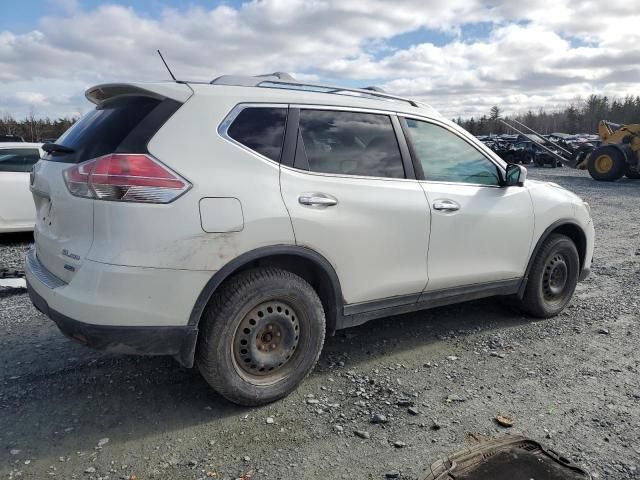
point(580, 116)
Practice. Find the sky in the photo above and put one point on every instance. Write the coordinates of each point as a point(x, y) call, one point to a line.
point(460, 56)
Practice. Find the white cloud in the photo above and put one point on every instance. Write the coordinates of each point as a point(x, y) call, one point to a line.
point(544, 53)
point(68, 6)
point(32, 98)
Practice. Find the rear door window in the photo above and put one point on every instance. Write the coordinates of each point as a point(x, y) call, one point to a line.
point(18, 159)
point(261, 129)
point(349, 143)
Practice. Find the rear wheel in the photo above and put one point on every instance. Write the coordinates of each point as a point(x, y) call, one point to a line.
point(553, 277)
point(261, 335)
point(606, 164)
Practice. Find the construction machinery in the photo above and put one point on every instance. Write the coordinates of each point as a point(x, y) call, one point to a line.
point(617, 155)
point(553, 152)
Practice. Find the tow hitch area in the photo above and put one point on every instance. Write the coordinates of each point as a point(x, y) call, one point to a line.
point(507, 458)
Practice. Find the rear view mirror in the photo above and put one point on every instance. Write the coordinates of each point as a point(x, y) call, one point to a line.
point(515, 175)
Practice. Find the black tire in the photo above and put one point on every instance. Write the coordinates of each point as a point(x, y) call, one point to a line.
point(631, 173)
point(553, 277)
point(539, 162)
point(249, 310)
point(606, 164)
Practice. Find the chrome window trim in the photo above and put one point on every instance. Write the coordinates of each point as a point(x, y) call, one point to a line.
point(342, 108)
point(224, 125)
point(462, 184)
point(346, 175)
point(223, 128)
point(457, 134)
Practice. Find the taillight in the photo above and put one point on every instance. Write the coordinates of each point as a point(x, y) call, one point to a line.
point(128, 177)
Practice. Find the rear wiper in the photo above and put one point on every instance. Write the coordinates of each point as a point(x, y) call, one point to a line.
point(56, 147)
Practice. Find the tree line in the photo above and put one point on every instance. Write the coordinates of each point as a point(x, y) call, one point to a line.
point(33, 129)
point(580, 116)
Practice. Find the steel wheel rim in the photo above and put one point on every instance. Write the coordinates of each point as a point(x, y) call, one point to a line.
point(555, 277)
point(603, 163)
point(265, 342)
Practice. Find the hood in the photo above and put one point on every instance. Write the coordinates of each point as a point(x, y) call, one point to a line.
point(539, 184)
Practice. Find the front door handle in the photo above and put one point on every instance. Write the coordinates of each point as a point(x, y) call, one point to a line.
point(446, 205)
point(317, 200)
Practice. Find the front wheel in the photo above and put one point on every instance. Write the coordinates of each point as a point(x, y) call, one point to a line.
point(261, 335)
point(606, 164)
point(553, 277)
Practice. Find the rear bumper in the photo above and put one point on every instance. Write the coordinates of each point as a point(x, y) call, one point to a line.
point(179, 342)
point(10, 228)
point(131, 310)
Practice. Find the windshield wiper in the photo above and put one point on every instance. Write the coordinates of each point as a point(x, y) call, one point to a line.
point(56, 148)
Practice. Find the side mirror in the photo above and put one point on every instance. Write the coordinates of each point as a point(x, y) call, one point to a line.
point(515, 175)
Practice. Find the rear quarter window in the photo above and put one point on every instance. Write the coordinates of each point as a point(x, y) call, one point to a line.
point(260, 129)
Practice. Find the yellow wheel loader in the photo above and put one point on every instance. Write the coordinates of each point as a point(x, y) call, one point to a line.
point(618, 155)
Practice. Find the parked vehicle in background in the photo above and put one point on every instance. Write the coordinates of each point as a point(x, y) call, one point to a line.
point(285, 212)
point(522, 152)
point(531, 152)
point(17, 210)
point(11, 138)
point(556, 149)
point(502, 148)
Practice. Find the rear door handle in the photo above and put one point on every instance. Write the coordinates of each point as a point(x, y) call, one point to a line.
point(446, 205)
point(317, 200)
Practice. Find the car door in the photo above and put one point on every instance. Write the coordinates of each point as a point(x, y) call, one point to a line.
point(480, 231)
point(17, 210)
point(349, 199)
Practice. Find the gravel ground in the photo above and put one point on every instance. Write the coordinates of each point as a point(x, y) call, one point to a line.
point(13, 247)
point(571, 382)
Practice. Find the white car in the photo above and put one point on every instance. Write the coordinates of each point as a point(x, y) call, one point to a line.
point(17, 212)
point(233, 225)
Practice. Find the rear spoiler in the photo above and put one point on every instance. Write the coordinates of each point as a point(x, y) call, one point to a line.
point(161, 90)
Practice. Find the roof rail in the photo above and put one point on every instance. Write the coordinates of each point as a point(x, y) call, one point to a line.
point(374, 88)
point(286, 81)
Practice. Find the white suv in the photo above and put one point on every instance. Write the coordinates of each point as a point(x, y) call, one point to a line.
point(234, 224)
point(17, 213)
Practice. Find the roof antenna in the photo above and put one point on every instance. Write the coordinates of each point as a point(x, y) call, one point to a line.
point(168, 69)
